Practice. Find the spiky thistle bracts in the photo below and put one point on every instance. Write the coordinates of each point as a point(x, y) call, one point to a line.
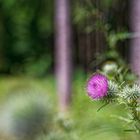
point(113, 91)
point(130, 94)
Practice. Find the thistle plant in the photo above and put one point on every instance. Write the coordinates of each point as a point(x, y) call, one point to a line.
point(101, 88)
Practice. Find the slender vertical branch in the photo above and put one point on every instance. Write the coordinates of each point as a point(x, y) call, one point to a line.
point(135, 42)
point(63, 48)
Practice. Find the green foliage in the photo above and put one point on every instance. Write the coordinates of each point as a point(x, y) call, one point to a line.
point(27, 35)
point(120, 75)
point(87, 16)
point(113, 38)
point(37, 67)
point(113, 91)
point(99, 16)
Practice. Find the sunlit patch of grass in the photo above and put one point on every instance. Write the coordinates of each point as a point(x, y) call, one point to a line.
point(10, 85)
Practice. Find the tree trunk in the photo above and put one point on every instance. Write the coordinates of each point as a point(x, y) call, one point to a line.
point(135, 42)
point(63, 48)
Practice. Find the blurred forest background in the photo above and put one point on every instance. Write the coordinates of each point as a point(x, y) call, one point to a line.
point(26, 37)
point(47, 50)
point(27, 33)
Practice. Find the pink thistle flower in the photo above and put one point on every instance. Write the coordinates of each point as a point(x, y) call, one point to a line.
point(97, 86)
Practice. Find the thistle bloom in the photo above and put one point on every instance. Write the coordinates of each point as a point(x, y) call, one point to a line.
point(97, 86)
